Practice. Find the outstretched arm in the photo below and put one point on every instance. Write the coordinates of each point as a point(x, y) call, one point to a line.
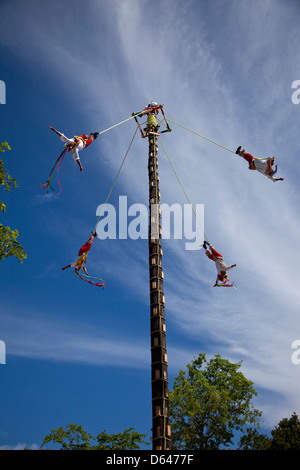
point(274, 179)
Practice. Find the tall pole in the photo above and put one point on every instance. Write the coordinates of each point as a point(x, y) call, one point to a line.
point(161, 430)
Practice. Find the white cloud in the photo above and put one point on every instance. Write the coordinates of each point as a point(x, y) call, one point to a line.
point(20, 446)
point(46, 338)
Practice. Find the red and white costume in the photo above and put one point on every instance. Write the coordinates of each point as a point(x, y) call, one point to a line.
point(76, 144)
point(222, 268)
point(263, 165)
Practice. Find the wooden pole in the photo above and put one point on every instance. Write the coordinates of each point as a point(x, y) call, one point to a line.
point(161, 430)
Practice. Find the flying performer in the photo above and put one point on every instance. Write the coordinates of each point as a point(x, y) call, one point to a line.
point(77, 143)
point(82, 255)
point(263, 165)
point(222, 268)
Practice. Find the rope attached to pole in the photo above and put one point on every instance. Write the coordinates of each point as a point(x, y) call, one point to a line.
point(184, 191)
point(115, 180)
point(110, 191)
point(203, 137)
point(119, 123)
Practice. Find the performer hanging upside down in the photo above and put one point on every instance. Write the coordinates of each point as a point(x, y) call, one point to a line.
point(82, 255)
point(222, 269)
point(263, 165)
point(77, 143)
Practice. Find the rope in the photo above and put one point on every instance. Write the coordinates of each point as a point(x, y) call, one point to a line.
point(219, 285)
point(119, 123)
point(115, 180)
point(203, 137)
point(184, 190)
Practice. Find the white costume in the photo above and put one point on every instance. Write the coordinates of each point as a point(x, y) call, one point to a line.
point(75, 150)
point(262, 165)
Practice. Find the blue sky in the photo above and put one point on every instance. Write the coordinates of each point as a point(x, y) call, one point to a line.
point(80, 354)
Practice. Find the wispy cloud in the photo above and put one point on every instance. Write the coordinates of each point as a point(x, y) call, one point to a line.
point(55, 340)
point(45, 337)
point(41, 199)
point(20, 446)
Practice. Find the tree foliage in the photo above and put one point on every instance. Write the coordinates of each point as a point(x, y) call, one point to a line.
point(74, 437)
point(9, 245)
point(126, 440)
point(253, 440)
point(5, 178)
point(208, 404)
point(286, 436)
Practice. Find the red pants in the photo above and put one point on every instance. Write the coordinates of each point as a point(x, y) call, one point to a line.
point(213, 254)
point(87, 246)
point(249, 159)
